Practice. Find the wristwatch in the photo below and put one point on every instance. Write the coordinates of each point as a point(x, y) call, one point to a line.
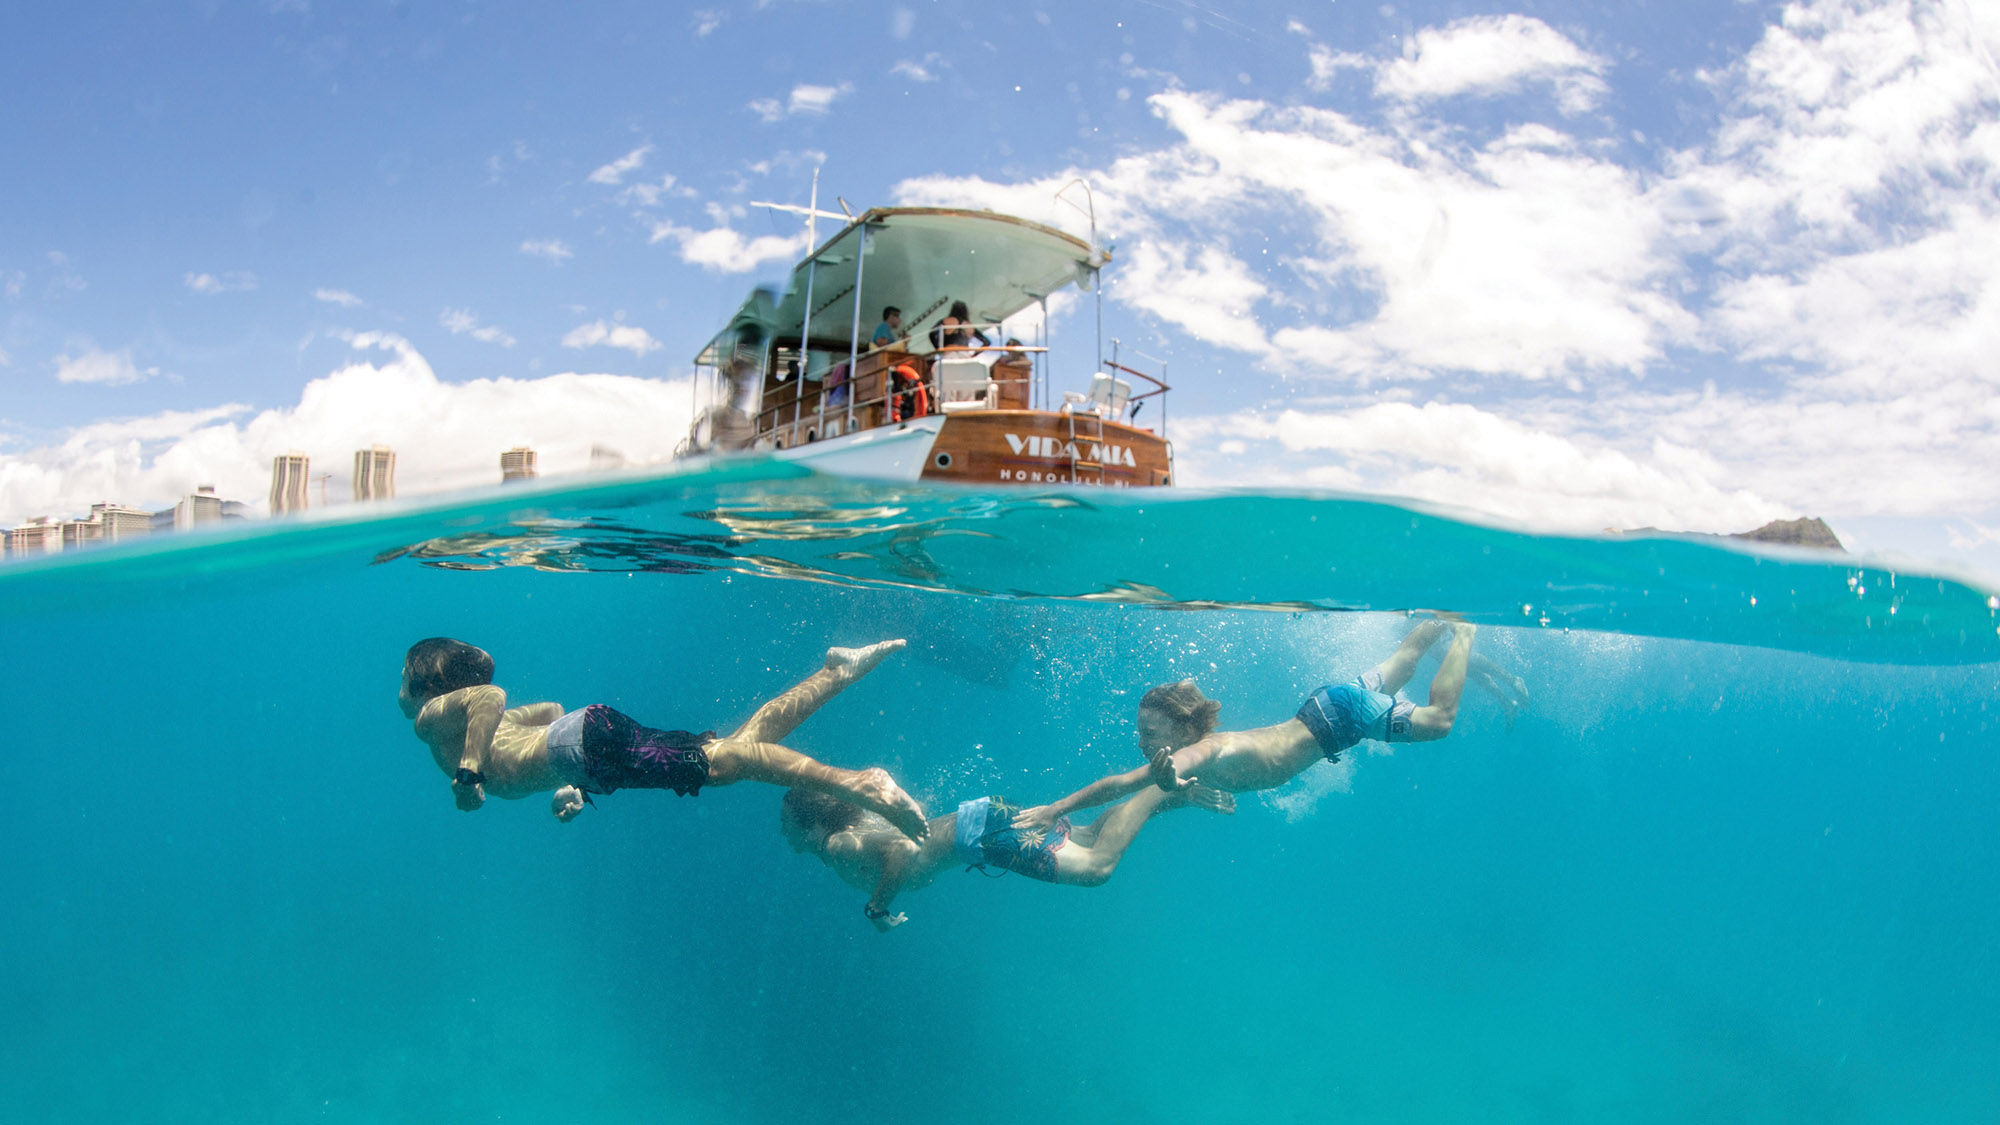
point(872, 912)
point(468, 778)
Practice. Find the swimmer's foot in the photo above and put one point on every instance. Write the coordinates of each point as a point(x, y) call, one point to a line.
point(873, 789)
point(858, 662)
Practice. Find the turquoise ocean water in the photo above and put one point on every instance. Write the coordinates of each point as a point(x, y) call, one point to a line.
point(1737, 860)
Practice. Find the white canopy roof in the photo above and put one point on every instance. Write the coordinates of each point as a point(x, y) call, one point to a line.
point(921, 259)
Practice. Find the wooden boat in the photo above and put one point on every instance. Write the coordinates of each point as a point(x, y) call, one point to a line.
point(815, 390)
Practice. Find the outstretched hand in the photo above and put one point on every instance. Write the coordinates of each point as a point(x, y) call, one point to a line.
point(1160, 763)
point(889, 922)
point(1212, 799)
point(1035, 819)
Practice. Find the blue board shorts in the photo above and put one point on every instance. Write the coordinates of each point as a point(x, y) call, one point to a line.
point(983, 837)
point(1341, 715)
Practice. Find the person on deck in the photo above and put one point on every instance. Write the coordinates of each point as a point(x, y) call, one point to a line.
point(891, 328)
point(486, 747)
point(956, 333)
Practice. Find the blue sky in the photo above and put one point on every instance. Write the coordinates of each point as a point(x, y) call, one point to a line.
point(1689, 265)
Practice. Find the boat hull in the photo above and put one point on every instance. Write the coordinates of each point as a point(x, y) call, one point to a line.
point(998, 447)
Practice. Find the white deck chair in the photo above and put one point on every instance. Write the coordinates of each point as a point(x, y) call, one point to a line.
point(965, 384)
point(1108, 396)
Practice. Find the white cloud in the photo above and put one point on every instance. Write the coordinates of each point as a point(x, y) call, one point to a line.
point(5, 359)
point(815, 100)
point(650, 194)
point(339, 297)
point(94, 365)
point(599, 333)
point(553, 249)
point(1492, 55)
point(615, 171)
point(1831, 253)
point(705, 21)
point(1460, 455)
point(805, 98)
point(11, 282)
point(1206, 291)
point(66, 276)
point(209, 284)
point(461, 322)
point(726, 250)
point(446, 435)
point(919, 70)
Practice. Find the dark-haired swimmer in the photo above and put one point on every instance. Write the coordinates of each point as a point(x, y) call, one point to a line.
point(1177, 727)
point(486, 747)
point(869, 856)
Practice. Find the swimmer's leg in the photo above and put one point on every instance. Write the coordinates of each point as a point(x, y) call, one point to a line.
point(1402, 664)
point(1433, 720)
point(781, 716)
point(731, 760)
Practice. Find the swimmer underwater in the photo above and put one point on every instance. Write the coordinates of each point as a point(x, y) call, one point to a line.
point(487, 748)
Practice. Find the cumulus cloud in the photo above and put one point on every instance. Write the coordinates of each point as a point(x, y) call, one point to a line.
point(1493, 55)
point(1829, 252)
point(726, 250)
point(461, 322)
point(208, 283)
point(706, 20)
point(615, 171)
point(446, 434)
point(339, 297)
point(553, 249)
point(605, 334)
point(94, 365)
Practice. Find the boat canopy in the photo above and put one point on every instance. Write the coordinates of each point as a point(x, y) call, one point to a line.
point(919, 259)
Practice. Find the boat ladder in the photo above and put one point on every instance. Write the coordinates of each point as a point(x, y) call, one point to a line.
point(1086, 426)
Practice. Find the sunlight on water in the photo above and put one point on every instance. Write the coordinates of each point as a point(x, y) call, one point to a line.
point(1733, 859)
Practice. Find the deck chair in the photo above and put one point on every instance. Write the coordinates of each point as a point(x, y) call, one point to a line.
point(965, 384)
point(1107, 397)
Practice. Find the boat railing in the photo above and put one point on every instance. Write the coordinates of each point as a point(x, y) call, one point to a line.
point(798, 411)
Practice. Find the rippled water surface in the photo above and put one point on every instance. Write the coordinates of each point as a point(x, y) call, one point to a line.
point(1735, 860)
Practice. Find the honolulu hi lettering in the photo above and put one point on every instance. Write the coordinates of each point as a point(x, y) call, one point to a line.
point(1038, 445)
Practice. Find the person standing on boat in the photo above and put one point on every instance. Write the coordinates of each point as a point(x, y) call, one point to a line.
point(891, 328)
point(485, 747)
point(1177, 727)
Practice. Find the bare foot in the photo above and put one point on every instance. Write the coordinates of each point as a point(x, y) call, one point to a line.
point(858, 662)
point(877, 792)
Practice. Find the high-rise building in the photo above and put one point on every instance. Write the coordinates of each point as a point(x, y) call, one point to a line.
point(288, 482)
point(40, 535)
point(198, 507)
point(517, 463)
point(117, 521)
point(374, 473)
point(80, 533)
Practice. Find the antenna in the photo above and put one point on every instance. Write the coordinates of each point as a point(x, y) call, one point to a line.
point(1096, 262)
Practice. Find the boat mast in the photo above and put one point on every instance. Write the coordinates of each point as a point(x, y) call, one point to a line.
point(1096, 261)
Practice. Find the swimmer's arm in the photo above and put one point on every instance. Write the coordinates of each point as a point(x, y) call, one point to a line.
point(481, 708)
point(896, 856)
point(1103, 791)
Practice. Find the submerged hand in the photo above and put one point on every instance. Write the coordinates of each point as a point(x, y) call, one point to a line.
point(469, 797)
point(1035, 819)
point(1165, 775)
point(888, 922)
point(567, 802)
point(1214, 800)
